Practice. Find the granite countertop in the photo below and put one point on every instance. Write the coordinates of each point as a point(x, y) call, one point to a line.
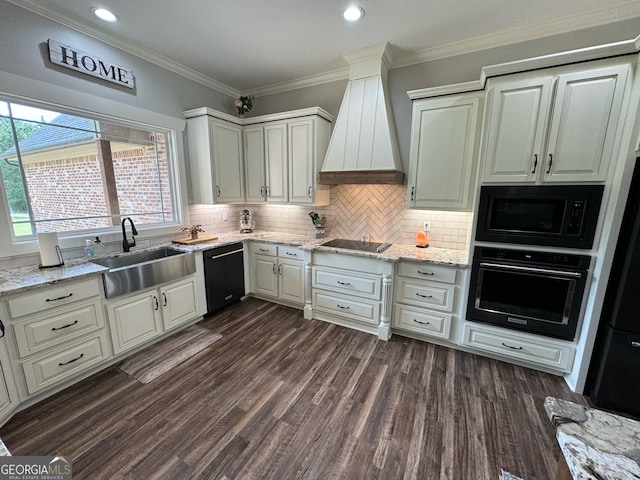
point(595, 444)
point(444, 256)
point(17, 280)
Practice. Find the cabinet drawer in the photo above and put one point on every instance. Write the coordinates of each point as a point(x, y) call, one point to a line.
point(47, 331)
point(354, 309)
point(537, 350)
point(428, 294)
point(265, 249)
point(425, 322)
point(48, 370)
point(339, 281)
point(49, 297)
point(427, 271)
point(294, 253)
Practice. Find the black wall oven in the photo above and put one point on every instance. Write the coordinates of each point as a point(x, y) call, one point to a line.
point(531, 291)
point(549, 215)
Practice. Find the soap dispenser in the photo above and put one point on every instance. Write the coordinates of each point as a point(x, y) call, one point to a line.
point(88, 249)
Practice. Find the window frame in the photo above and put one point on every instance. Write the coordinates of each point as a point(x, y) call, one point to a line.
point(107, 111)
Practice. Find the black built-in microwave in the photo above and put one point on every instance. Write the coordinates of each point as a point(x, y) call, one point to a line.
point(549, 215)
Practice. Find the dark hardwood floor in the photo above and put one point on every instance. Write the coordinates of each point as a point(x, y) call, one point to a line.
point(280, 397)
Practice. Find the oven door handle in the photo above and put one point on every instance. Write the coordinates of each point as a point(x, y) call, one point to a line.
point(532, 270)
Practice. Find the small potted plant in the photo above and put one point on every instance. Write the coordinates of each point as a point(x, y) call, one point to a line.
point(193, 230)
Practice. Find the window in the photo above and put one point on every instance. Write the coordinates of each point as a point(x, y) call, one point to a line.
point(66, 173)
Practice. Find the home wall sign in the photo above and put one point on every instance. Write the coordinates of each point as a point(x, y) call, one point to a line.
point(89, 64)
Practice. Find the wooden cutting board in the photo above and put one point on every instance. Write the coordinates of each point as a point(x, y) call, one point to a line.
point(200, 239)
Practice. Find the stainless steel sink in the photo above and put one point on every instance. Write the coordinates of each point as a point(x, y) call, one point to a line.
point(137, 271)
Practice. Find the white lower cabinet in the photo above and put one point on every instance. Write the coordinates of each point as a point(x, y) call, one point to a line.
point(348, 290)
point(278, 273)
point(54, 366)
point(59, 333)
point(425, 299)
point(9, 398)
point(533, 350)
point(136, 319)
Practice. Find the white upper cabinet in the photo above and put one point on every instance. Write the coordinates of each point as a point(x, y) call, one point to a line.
point(275, 147)
point(216, 158)
point(283, 155)
point(553, 128)
point(308, 141)
point(444, 139)
point(254, 163)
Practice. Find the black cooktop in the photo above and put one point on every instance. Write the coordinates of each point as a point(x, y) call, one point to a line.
point(357, 245)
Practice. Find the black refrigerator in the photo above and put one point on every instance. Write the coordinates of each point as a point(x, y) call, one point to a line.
point(614, 373)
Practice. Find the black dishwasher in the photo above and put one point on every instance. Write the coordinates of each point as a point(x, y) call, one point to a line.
point(224, 275)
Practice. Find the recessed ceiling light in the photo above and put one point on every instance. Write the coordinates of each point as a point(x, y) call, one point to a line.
point(353, 13)
point(104, 14)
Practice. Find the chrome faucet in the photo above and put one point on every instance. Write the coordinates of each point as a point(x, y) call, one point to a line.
point(126, 246)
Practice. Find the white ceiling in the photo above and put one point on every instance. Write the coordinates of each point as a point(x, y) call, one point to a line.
point(262, 46)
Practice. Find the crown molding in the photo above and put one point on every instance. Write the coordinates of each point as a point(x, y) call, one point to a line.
point(75, 23)
point(310, 81)
point(592, 18)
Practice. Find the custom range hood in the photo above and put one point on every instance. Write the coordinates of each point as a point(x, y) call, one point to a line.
point(363, 146)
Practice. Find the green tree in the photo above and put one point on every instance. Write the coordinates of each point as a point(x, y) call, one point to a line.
point(10, 170)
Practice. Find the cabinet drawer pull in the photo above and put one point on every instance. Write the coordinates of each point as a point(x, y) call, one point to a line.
point(71, 361)
point(1, 329)
point(426, 273)
point(550, 163)
point(262, 192)
point(155, 299)
point(421, 323)
point(264, 249)
point(58, 298)
point(343, 308)
point(217, 191)
point(54, 329)
point(164, 299)
point(310, 192)
point(424, 296)
point(512, 347)
point(535, 163)
point(413, 189)
point(273, 267)
point(343, 283)
point(292, 254)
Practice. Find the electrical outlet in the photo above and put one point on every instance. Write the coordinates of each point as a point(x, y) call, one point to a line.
point(225, 217)
point(427, 226)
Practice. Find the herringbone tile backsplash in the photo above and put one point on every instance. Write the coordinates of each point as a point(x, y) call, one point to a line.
point(379, 210)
